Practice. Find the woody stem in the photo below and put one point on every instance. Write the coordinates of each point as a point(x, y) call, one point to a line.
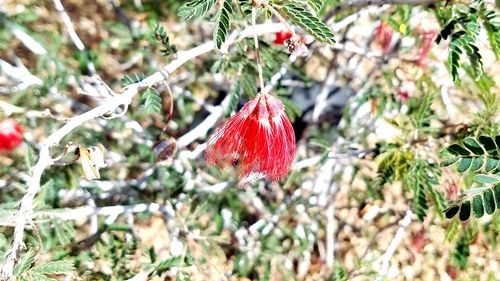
point(257, 54)
point(280, 17)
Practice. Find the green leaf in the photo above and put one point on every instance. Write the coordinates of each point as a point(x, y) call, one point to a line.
point(492, 27)
point(55, 267)
point(489, 201)
point(194, 9)
point(473, 146)
point(489, 145)
point(464, 164)
point(420, 203)
point(223, 23)
point(315, 4)
point(25, 263)
point(464, 211)
point(487, 179)
point(476, 164)
point(452, 211)
point(151, 101)
point(64, 231)
point(477, 206)
point(492, 164)
point(134, 78)
point(456, 149)
point(299, 15)
point(449, 161)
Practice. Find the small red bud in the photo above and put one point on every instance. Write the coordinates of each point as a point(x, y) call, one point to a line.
point(281, 37)
point(403, 94)
point(10, 135)
point(383, 36)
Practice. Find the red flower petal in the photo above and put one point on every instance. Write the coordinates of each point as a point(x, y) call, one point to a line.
point(258, 139)
point(10, 135)
point(281, 37)
point(383, 36)
point(427, 40)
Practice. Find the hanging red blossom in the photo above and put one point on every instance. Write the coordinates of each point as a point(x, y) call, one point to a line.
point(383, 36)
point(258, 139)
point(281, 37)
point(427, 40)
point(10, 135)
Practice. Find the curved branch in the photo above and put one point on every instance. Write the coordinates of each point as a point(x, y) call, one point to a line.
point(25, 213)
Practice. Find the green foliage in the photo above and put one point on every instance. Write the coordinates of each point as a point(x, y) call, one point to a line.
point(475, 154)
point(491, 23)
point(234, 99)
point(134, 78)
point(54, 267)
point(162, 37)
point(292, 110)
point(195, 9)
point(315, 4)
point(151, 100)
point(420, 117)
point(487, 201)
point(340, 273)
point(177, 261)
point(421, 178)
point(223, 23)
point(245, 7)
point(300, 15)
point(463, 30)
point(25, 270)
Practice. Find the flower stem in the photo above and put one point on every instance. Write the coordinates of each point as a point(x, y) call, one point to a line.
point(281, 19)
point(257, 54)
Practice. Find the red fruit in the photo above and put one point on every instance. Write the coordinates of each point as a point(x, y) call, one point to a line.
point(10, 135)
point(281, 37)
point(383, 36)
point(258, 139)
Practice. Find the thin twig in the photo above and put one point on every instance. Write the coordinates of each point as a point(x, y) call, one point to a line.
point(400, 233)
point(257, 54)
point(72, 34)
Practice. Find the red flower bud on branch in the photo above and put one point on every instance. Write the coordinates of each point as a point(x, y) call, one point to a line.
point(10, 135)
point(281, 37)
point(258, 139)
point(383, 36)
point(427, 40)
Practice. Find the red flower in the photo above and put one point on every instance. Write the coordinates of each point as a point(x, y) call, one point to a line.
point(383, 36)
point(10, 135)
point(403, 94)
point(427, 39)
point(281, 37)
point(259, 138)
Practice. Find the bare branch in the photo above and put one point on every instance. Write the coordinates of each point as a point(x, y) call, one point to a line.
point(72, 33)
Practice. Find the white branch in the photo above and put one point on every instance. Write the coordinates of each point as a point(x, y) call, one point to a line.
point(386, 258)
point(124, 99)
point(72, 33)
